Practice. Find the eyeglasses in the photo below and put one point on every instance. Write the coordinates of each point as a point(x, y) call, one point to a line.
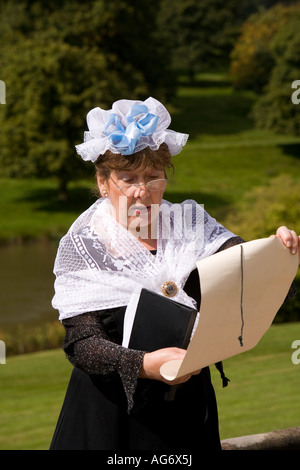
point(129, 189)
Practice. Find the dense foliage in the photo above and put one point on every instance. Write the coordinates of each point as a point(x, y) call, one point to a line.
point(252, 57)
point(275, 109)
point(58, 61)
point(266, 59)
point(200, 35)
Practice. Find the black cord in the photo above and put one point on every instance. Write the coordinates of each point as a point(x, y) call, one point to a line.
point(240, 338)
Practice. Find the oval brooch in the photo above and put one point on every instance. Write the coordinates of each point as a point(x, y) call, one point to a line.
point(169, 289)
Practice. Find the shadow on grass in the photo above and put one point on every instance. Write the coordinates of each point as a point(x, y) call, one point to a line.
point(81, 197)
point(214, 204)
point(293, 150)
point(47, 199)
point(224, 112)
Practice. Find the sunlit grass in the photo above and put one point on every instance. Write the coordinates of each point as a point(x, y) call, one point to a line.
point(263, 393)
point(32, 391)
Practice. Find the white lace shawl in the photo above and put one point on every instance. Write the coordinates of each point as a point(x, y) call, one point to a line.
point(99, 264)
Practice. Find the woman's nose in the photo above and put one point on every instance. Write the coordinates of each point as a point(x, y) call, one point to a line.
point(141, 191)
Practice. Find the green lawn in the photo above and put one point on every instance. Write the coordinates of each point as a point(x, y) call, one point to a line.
point(263, 394)
point(30, 209)
point(31, 394)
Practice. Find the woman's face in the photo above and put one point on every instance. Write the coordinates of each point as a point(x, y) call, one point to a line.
point(135, 208)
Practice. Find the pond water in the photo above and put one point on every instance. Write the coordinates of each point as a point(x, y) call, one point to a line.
point(26, 280)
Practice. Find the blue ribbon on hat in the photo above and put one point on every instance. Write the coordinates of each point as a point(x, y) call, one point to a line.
point(125, 139)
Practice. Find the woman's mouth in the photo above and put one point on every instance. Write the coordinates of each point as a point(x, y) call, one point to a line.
point(141, 210)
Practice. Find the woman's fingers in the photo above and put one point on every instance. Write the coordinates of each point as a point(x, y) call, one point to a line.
point(153, 361)
point(289, 238)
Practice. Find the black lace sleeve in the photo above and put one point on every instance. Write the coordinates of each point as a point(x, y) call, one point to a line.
point(231, 242)
point(88, 347)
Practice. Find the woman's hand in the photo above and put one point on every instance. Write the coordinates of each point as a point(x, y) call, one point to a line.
point(290, 239)
point(153, 361)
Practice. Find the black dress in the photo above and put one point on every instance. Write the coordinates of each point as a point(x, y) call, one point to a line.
point(107, 407)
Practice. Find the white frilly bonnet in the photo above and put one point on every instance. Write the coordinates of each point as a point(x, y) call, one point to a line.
point(127, 128)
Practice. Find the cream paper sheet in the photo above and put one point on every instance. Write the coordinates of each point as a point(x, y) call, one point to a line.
point(268, 271)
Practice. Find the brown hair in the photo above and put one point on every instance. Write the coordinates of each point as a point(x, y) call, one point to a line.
point(109, 161)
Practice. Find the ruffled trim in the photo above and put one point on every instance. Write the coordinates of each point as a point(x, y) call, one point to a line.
point(133, 126)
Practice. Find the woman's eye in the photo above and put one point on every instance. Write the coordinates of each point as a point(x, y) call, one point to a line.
point(128, 180)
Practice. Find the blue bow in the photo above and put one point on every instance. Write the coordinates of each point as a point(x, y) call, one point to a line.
point(125, 139)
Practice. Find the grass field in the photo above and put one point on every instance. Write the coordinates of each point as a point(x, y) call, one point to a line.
point(32, 390)
point(263, 394)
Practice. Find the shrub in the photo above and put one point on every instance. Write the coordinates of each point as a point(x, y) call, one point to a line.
point(274, 110)
point(27, 339)
point(252, 58)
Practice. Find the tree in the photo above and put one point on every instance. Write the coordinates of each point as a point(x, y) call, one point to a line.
point(200, 35)
point(46, 107)
point(252, 58)
point(274, 110)
point(57, 64)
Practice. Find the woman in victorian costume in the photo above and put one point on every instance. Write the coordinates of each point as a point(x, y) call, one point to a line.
point(129, 239)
